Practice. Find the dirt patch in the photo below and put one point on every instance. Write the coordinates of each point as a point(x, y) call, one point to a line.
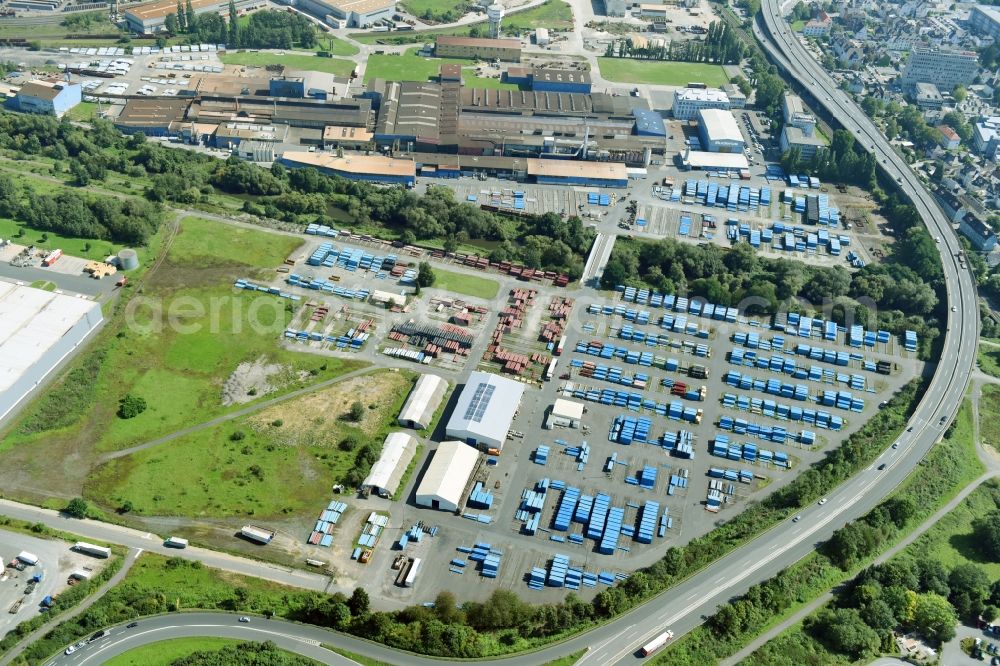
point(250, 381)
point(318, 418)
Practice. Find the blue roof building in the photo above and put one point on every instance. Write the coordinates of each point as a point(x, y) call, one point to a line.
point(46, 98)
point(648, 123)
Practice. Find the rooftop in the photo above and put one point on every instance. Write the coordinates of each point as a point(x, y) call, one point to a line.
point(720, 125)
point(160, 8)
point(486, 406)
point(577, 169)
point(40, 89)
point(561, 76)
point(359, 6)
point(375, 165)
point(948, 133)
point(697, 159)
point(143, 111)
point(32, 321)
point(795, 135)
point(701, 95)
point(341, 133)
point(446, 40)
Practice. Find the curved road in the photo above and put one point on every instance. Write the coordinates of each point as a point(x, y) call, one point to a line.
point(686, 605)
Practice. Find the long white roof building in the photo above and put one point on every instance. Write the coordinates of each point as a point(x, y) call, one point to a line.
point(423, 401)
point(485, 410)
point(447, 476)
point(38, 329)
point(398, 450)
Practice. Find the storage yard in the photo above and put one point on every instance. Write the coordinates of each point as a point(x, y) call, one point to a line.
point(620, 422)
point(56, 565)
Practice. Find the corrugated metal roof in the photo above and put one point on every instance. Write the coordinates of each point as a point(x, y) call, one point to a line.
point(398, 450)
point(423, 399)
point(448, 473)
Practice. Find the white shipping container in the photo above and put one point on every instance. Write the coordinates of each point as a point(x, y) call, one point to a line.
point(412, 575)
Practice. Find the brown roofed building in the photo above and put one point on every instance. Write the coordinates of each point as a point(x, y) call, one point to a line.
point(508, 50)
point(150, 17)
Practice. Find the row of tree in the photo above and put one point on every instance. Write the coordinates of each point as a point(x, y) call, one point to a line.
point(262, 30)
point(721, 45)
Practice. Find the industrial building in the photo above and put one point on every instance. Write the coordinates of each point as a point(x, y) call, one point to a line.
point(689, 101)
point(506, 50)
point(447, 476)
point(335, 136)
point(152, 117)
point(796, 114)
point(945, 68)
point(423, 402)
point(398, 450)
point(352, 13)
point(719, 131)
point(48, 98)
point(150, 17)
point(561, 80)
point(737, 100)
point(793, 137)
point(565, 414)
point(575, 172)
point(368, 168)
point(485, 392)
point(701, 160)
point(38, 330)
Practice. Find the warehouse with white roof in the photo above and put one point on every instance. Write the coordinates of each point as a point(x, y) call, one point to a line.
point(38, 329)
point(398, 450)
point(719, 132)
point(447, 476)
point(485, 410)
point(423, 401)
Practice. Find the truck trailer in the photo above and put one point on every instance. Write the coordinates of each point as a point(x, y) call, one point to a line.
point(175, 542)
point(657, 643)
point(91, 549)
point(27, 558)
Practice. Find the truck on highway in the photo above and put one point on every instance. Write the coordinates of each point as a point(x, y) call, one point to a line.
point(175, 542)
point(657, 643)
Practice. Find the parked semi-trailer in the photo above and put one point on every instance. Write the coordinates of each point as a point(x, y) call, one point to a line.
point(91, 549)
point(257, 534)
point(412, 575)
point(655, 644)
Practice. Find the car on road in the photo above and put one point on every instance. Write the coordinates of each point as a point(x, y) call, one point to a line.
point(131, 625)
point(797, 518)
point(895, 445)
point(70, 650)
point(822, 501)
point(937, 239)
point(943, 419)
point(881, 467)
point(954, 308)
point(244, 619)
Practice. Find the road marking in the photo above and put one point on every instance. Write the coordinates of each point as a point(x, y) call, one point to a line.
point(138, 552)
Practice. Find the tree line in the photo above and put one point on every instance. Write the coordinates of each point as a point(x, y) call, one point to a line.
point(721, 45)
point(298, 196)
point(267, 29)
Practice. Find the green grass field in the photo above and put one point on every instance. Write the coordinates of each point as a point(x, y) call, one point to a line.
point(75, 247)
point(82, 112)
point(177, 345)
point(436, 8)
point(273, 471)
point(166, 653)
point(335, 66)
point(661, 73)
point(554, 14)
point(469, 285)
point(334, 46)
point(798, 25)
point(989, 359)
point(407, 66)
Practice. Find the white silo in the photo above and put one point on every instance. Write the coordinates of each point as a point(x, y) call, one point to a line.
point(495, 14)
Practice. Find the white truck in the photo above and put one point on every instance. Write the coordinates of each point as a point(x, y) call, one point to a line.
point(657, 643)
point(28, 558)
point(175, 542)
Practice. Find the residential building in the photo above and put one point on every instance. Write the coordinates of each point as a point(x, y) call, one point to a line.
point(949, 137)
point(819, 26)
point(719, 131)
point(48, 98)
point(793, 137)
point(927, 96)
point(945, 68)
point(978, 232)
point(986, 137)
point(689, 101)
point(985, 20)
point(507, 50)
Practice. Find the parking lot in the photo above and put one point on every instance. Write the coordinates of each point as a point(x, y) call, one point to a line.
point(55, 564)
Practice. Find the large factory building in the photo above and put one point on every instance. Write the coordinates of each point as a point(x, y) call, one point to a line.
point(38, 330)
point(150, 17)
point(352, 13)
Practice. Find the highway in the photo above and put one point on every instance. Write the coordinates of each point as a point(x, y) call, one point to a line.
point(686, 605)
